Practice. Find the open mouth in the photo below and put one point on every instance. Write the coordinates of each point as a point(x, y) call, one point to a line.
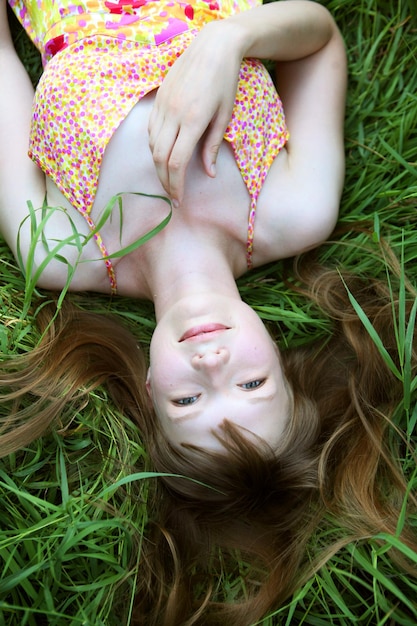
point(204, 329)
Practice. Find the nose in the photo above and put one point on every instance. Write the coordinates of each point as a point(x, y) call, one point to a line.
point(210, 359)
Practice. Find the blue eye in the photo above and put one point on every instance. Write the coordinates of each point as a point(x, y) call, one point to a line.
point(186, 401)
point(253, 384)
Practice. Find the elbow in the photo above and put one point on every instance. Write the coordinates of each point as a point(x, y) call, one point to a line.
point(317, 224)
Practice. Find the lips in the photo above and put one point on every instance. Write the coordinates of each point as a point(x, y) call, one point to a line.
point(204, 329)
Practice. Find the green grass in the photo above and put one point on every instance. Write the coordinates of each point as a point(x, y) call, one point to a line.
point(69, 541)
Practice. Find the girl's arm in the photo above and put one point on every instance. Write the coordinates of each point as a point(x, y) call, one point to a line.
point(313, 91)
point(198, 93)
point(20, 178)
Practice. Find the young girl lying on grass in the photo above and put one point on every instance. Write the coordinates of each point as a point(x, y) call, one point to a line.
point(169, 101)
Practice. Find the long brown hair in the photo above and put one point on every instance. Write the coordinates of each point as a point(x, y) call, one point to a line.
point(78, 351)
point(334, 460)
point(245, 505)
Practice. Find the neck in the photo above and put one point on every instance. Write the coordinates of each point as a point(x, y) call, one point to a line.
point(199, 267)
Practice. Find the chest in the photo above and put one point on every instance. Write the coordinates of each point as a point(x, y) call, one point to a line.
point(128, 179)
point(130, 202)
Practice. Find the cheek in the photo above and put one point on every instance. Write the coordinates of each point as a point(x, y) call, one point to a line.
point(164, 372)
point(162, 362)
point(260, 353)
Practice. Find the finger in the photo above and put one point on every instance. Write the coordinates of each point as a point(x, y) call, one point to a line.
point(155, 124)
point(211, 145)
point(179, 159)
point(161, 153)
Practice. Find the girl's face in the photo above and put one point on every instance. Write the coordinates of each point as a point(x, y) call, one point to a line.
point(212, 359)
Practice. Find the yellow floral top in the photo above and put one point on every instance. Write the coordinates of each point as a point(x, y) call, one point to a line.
point(53, 25)
point(101, 57)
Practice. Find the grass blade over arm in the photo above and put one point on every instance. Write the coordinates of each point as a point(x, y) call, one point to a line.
point(373, 334)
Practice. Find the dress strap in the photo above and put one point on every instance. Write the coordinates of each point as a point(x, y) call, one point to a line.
point(109, 265)
point(251, 227)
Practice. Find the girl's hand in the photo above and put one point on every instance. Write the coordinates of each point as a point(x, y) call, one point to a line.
point(196, 98)
point(198, 93)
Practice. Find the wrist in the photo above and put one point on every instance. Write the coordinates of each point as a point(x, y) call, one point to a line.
point(230, 36)
point(280, 31)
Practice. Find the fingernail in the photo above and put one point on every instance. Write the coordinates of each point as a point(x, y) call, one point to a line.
point(213, 169)
point(175, 204)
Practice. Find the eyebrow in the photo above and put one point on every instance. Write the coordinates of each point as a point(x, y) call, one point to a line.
point(179, 419)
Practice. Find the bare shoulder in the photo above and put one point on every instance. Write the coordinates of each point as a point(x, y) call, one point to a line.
point(299, 204)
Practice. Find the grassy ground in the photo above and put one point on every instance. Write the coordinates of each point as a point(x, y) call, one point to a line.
point(71, 519)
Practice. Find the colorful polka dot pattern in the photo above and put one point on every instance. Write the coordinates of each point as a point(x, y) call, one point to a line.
point(89, 87)
point(257, 132)
point(56, 24)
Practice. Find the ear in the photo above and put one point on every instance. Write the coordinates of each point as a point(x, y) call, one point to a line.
point(148, 383)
